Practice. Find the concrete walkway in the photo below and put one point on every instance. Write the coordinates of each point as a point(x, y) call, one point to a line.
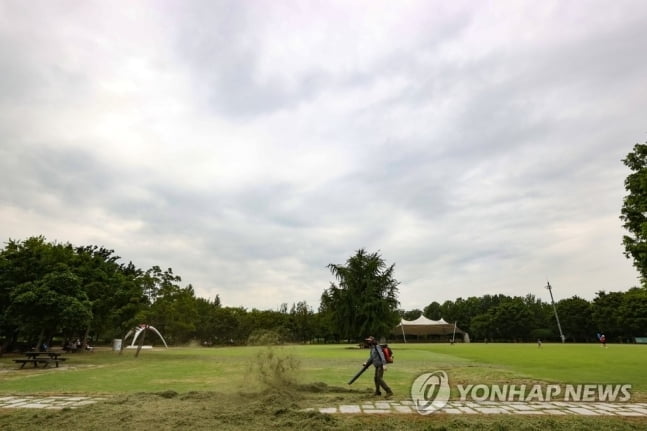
point(385, 407)
point(492, 407)
point(53, 402)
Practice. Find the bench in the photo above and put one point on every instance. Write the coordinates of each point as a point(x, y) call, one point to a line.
point(36, 361)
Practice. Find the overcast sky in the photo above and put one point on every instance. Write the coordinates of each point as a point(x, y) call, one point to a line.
point(248, 144)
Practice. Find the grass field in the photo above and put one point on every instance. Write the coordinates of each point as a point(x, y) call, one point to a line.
point(260, 387)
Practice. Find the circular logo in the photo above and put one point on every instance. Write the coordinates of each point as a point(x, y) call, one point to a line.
point(430, 392)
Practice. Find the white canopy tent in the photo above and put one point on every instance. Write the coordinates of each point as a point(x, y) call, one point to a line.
point(424, 326)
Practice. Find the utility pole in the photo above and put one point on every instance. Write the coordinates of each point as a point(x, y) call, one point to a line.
point(561, 334)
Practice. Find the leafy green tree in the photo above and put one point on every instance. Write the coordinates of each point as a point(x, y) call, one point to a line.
point(433, 311)
point(633, 312)
point(329, 327)
point(115, 291)
point(634, 209)
point(364, 299)
point(205, 326)
point(229, 325)
point(462, 311)
point(512, 320)
point(411, 314)
point(174, 310)
point(266, 320)
point(481, 327)
point(127, 299)
point(606, 313)
point(301, 321)
point(54, 304)
point(24, 265)
point(542, 319)
point(576, 318)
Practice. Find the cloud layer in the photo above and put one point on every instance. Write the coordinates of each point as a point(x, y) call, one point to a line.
point(247, 146)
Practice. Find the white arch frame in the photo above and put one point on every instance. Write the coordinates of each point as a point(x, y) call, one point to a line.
point(138, 330)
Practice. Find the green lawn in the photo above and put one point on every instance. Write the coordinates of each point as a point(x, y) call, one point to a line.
point(561, 363)
point(229, 369)
point(219, 385)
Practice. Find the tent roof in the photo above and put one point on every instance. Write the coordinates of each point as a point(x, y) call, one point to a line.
point(422, 320)
point(424, 326)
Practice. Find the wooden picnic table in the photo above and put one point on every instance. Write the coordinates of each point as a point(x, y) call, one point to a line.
point(44, 358)
point(34, 355)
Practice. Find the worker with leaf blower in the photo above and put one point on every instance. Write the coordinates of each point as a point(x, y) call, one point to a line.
point(378, 360)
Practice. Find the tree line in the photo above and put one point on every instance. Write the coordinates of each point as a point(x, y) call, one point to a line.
point(52, 292)
point(621, 316)
point(57, 292)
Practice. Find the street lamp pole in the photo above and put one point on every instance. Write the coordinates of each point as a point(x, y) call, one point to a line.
point(559, 326)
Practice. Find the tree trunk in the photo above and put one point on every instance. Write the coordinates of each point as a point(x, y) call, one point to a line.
point(84, 343)
point(141, 342)
point(41, 336)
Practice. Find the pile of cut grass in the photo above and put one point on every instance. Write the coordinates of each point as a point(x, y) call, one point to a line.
point(269, 410)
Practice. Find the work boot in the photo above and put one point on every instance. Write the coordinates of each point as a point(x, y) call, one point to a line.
point(389, 395)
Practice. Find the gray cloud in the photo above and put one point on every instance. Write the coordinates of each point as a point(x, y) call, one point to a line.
point(478, 148)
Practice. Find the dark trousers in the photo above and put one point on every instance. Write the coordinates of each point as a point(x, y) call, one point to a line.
point(379, 380)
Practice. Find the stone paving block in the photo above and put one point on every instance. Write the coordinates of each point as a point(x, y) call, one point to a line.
point(382, 405)
point(84, 403)
point(452, 411)
point(642, 410)
point(328, 410)
point(583, 411)
point(403, 409)
point(350, 409)
point(604, 410)
point(554, 412)
point(523, 407)
point(407, 402)
point(33, 406)
point(628, 413)
point(564, 404)
point(377, 411)
point(467, 410)
point(543, 405)
point(492, 410)
point(17, 401)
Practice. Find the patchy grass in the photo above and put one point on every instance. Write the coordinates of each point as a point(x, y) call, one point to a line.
point(268, 410)
point(260, 388)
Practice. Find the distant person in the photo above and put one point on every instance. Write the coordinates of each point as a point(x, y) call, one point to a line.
point(378, 360)
point(539, 343)
point(603, 341)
